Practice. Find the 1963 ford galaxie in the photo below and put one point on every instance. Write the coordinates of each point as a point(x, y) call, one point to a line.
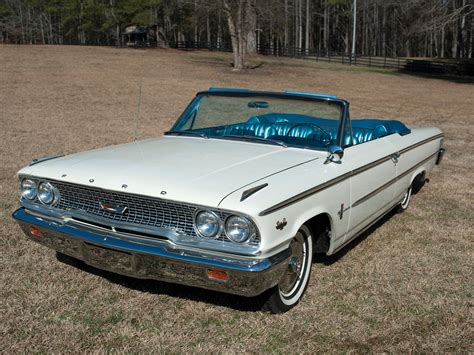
point(236, 197)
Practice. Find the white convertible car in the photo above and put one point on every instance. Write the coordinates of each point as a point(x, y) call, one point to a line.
point(236, 197)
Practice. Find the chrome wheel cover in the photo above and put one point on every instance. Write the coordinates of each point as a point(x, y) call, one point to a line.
point(294, 273)
point(406, 199)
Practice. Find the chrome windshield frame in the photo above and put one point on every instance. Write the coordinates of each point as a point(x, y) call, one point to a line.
point(195, 103)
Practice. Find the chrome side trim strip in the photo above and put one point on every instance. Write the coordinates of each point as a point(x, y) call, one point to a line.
point(341, 178)
point(391, 182)
point(416, 145)
point(305, 194)
point(370, 224)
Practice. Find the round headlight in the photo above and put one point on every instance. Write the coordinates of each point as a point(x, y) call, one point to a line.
point(207, 224)
point(28, 189)
point(46, 193)
point(238, 229)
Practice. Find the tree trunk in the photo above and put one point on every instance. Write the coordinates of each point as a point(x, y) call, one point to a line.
point(22, 24)
point(219, 31)
point(42, 30)
point(251, 19)
point(235, 23)
point(463, 32)
point(443, 35)
point(196, 35)
point(308, 24)
point(51, 35)
point(208, 31)
point(300, 24)
point(296, 25)
point(326, 25)
point(471, 46)
point(455, 29)
point(285, 35)
point(29, 25)
point(375, 30)
point(384, 31)
point(81, 33)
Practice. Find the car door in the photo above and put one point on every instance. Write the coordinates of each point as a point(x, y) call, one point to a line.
point(373, 174)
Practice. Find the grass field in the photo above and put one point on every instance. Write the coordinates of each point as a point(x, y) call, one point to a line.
point(405, 286)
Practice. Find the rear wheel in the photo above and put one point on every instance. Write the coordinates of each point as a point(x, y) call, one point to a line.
point(405, 201)
point(294, 282)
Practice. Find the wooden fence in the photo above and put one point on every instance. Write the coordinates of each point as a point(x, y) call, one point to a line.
point(428, 66)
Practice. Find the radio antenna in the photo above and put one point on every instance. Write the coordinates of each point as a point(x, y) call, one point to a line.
point(139, 104)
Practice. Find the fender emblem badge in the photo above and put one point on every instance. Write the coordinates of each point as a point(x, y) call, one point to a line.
point(341, 211)
point(282, 224)
point(113, 209)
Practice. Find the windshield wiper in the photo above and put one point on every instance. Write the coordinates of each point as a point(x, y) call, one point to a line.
point(185, 133)
point(254, 138)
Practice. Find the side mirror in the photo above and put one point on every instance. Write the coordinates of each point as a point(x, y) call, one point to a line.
point(335, 154)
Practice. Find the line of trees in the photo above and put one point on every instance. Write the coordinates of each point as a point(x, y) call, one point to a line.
point(412, 28)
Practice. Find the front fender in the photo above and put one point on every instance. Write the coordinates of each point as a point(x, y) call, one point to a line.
point(279, 227)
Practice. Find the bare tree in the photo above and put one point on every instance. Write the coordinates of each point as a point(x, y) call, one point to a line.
point(241, 28)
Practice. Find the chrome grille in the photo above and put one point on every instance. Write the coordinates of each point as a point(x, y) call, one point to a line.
point(141, 210)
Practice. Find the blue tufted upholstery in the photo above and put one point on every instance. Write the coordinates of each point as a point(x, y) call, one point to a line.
point(361, 135)
point(255, 129)
point(390, 126)
point(282, 128)
point(301, 132)
point(380, 131)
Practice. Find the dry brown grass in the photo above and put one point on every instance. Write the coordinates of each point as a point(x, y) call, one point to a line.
point(408, 285)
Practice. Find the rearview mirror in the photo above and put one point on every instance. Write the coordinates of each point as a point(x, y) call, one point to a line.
point(335, 154)
point(257, 104)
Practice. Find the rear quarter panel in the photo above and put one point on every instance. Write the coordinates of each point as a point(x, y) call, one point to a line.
point(418, 152)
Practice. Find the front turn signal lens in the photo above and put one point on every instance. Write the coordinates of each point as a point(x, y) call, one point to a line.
point(35, 231)
point(217, 275)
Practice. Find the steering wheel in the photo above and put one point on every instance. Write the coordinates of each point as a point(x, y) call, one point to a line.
point(327, 137)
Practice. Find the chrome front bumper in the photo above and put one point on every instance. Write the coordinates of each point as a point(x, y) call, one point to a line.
point(157, 260)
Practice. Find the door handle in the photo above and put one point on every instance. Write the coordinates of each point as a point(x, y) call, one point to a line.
point(395, 156)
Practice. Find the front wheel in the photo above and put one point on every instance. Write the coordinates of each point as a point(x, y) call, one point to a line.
point(294, 281)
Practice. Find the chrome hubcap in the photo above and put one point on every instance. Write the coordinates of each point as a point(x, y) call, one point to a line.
point(292, 276)
point(406, 198)
point(294, 264)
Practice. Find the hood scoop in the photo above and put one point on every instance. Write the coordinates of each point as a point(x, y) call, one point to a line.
point(247, 193)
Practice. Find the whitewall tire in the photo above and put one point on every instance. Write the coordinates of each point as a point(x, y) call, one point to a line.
point(405, 202)
point(294, 282)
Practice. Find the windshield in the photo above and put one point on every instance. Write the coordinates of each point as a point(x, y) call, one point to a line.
point(286, 121)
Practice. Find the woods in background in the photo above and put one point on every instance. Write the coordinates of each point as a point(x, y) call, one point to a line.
point(411, 28)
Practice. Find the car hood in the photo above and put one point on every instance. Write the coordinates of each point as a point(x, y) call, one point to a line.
point(195, 170)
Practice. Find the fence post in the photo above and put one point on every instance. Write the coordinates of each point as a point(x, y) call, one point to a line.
point(384, 60)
